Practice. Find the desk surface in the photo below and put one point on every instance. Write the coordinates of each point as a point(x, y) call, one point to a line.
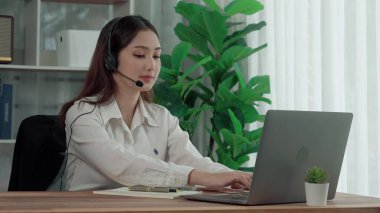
point(88, 202)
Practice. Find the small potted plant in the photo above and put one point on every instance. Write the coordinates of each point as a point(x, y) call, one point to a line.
point(316, 187)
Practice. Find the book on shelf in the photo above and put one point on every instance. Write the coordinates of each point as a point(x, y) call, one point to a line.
point(6, 96)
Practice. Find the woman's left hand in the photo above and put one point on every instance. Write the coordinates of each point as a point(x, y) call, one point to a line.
point(235, 179)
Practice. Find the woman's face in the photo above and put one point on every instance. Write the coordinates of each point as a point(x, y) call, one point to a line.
point(140, 60)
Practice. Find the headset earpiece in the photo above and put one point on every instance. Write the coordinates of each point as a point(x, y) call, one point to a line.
point(110, 62)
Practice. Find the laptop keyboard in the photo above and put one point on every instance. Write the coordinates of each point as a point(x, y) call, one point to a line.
point(234, 198)
point(240, 195)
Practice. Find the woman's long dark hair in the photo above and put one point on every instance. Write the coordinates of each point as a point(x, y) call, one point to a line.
point(99, 81)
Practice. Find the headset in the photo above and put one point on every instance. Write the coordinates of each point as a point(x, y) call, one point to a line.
point(110, 61)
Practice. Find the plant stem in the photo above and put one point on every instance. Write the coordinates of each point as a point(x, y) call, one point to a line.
point(210, 147)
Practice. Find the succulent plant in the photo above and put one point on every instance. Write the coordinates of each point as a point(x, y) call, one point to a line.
point(316, 175)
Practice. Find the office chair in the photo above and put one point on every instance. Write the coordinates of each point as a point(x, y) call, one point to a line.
point(38, 153)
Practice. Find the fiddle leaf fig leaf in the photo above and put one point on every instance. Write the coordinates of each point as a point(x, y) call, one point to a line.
point(187, 34)
point(211, 25)
point(235, 123)
point(179, 54)
point(241, 33)
point(247, 7)
point(212, 4)
point(188, 10)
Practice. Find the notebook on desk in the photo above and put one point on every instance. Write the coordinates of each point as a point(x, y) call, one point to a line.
point(292, 142)
point(125, 191)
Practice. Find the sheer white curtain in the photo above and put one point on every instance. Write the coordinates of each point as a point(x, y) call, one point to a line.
point(325, 55)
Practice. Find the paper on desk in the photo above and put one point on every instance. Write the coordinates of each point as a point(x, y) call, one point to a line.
point(125, 192)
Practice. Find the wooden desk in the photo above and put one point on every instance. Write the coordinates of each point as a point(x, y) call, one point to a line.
point(88, 202)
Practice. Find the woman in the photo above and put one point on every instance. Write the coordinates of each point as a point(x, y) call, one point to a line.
point(116, 136)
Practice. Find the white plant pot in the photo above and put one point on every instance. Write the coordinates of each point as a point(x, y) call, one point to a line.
point(316, 193)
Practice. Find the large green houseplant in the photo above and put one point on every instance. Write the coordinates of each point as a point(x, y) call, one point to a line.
point(216, 51)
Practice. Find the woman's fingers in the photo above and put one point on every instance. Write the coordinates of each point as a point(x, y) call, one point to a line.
point(237, 186)
point(235, 179)
point(247, 181)
point(240, 179)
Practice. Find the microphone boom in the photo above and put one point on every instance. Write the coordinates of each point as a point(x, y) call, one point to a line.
point(138, 82)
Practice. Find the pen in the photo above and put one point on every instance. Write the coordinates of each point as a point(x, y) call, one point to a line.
point(189, 188)
point(142, 188)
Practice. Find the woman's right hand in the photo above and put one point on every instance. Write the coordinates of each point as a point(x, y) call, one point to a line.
point(235, 179)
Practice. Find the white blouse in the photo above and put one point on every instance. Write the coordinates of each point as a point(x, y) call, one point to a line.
point(104, 153)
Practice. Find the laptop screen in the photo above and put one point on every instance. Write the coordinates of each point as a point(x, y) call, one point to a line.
point(292, 142)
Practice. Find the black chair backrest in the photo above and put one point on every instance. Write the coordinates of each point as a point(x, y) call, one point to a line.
point(38, 153)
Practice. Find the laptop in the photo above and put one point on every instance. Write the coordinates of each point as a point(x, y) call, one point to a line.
point(292, 142)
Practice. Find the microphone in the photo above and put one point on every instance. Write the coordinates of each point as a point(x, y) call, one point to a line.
point(138, 82)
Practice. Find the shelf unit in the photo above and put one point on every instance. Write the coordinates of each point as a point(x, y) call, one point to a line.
point(89, 1)
point(39, 85)
point(10, 141)
point(44, 18)
point(32, 68)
